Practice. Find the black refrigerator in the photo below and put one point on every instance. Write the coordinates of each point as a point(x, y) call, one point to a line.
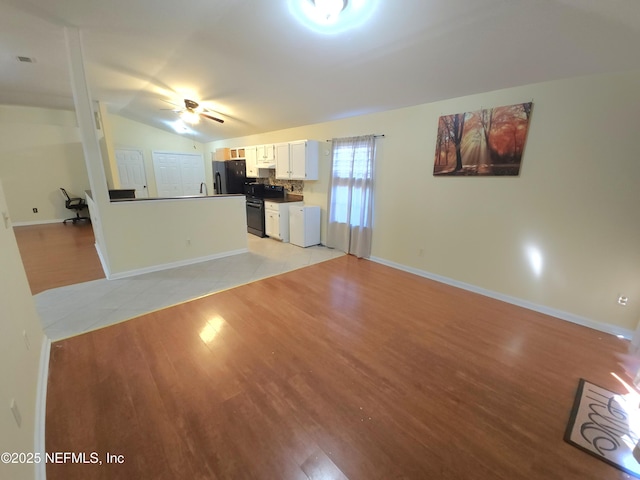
point(229, 176)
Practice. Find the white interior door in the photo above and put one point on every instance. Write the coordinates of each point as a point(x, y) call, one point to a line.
point(167, 169)
point(178, 174)
point(192, 171)
point(131, 171)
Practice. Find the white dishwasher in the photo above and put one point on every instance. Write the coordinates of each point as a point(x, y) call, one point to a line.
point(304, 225)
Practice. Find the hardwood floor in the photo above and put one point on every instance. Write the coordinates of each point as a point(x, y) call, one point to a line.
point(345, 369)
point(55, 255)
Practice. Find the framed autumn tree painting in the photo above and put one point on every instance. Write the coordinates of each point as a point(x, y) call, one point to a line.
point(484, 142)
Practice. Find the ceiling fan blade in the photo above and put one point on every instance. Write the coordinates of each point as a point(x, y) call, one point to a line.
point(219, 120)
point(171, 103)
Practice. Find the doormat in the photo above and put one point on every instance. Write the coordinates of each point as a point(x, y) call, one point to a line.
point(599, 425)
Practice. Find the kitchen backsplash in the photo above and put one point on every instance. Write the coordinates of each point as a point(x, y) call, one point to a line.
point(292, 186)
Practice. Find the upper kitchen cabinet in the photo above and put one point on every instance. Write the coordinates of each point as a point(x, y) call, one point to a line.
point(282, 160)
point(266, 156)
point(222, 154)
point(297, 160)
point(237, 153)
point(254, 170)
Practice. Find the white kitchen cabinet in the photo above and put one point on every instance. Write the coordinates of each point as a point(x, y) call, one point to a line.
point(304, 160)
point(251, 160)
point(272, 223)
point(266, 156)
point(221, 154)
point(276, 216)
point(236, 153)
point(282, 161)
point(297, 160)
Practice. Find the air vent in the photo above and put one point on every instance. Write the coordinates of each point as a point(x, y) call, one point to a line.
point(26, 59)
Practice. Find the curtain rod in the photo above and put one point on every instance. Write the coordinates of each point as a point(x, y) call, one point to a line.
point(375, 136)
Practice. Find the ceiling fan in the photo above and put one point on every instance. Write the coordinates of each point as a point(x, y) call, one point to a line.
point(192, 112)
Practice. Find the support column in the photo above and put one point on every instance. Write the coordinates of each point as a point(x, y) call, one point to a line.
point(99, 205)
point(86, 117)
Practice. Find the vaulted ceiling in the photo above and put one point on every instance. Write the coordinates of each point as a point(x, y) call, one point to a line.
point(261, 68)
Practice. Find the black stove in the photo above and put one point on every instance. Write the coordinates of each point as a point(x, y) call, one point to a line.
point(256, 193)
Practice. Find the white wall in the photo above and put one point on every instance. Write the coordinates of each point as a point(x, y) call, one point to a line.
point(19, 366)
point(575, 200)
point(144, 234)
point(40, 151)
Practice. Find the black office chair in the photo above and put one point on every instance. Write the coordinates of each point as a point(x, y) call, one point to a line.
point(75, 204)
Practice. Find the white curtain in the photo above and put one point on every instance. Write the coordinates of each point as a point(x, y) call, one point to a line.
point(351, 195)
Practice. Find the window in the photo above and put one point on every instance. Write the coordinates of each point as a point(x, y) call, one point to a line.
point(351, 194)
point(352, 174)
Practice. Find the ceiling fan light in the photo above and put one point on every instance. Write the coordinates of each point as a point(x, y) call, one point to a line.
point(189, 116)
point(329, 9)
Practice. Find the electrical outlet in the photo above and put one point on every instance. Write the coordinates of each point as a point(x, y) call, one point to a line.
point(35, 210)
point(622, 300)
point(16, 412)
point(26, 339)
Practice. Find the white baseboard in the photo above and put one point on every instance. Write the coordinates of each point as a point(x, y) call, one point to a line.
point(181, 263)
point(562, 315)
point(41, 408)
point(37, 222)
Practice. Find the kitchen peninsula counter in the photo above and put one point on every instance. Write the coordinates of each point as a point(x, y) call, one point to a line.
point(136, 236)
point(149, 199)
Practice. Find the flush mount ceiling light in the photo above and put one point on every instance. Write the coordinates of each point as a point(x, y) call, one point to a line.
point(330, 17)
point(329, 10)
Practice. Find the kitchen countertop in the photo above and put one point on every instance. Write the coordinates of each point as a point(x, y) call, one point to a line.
point(151, 199)
point(186, 197)
point(287, 199)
